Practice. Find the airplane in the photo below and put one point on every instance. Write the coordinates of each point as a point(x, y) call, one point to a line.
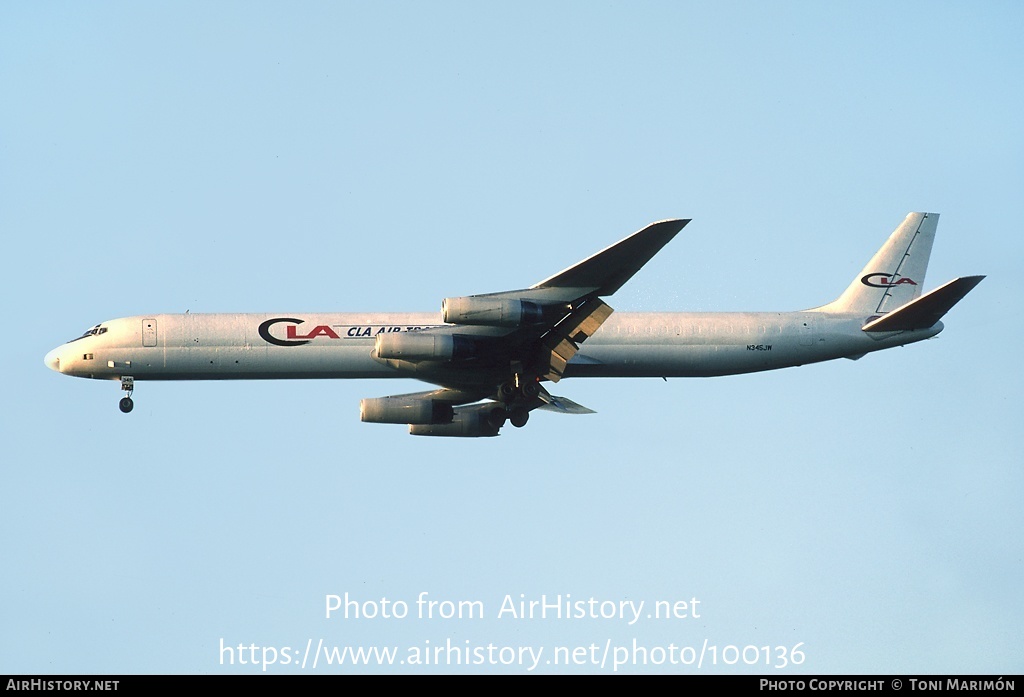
point(492, 356)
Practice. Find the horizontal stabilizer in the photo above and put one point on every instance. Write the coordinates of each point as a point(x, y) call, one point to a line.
point(926, 310)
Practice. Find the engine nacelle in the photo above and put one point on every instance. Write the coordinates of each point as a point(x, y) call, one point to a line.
point(468, 422)
point(491, 311)
point(405, 410)
point(423, 346)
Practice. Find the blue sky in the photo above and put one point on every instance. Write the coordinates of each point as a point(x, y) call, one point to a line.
point(379, 157)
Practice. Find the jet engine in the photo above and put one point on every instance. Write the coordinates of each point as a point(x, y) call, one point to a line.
point(476, 421)
point(491, 312)
point(405, 410)
point(423, 346)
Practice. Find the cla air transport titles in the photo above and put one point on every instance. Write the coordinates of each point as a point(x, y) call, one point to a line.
point(492, 356)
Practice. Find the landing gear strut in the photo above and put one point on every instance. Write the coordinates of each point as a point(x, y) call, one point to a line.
point(128, 386)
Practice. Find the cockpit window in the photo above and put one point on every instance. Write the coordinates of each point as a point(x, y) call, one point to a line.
point(94, 331)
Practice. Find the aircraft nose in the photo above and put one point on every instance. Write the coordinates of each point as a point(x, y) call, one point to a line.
point(52, 360)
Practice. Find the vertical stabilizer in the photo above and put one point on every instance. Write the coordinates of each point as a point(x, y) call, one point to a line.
point(895, 275)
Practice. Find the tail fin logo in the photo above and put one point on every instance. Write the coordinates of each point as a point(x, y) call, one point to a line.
point(885, 280)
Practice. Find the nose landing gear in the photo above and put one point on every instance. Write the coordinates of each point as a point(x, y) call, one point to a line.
point(128, 386)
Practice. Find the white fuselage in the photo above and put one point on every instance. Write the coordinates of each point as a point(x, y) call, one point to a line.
point(335, 345)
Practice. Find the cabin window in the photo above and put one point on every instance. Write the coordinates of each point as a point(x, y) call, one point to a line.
point(87, 357)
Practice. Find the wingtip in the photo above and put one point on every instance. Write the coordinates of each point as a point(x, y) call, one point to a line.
point(970, 281)
point(670, 225)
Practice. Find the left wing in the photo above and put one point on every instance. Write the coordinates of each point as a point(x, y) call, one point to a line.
point(500, 346)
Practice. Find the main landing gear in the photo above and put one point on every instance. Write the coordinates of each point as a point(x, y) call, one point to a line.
point(127, 386)
point(517, 416)
point(519, 396)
